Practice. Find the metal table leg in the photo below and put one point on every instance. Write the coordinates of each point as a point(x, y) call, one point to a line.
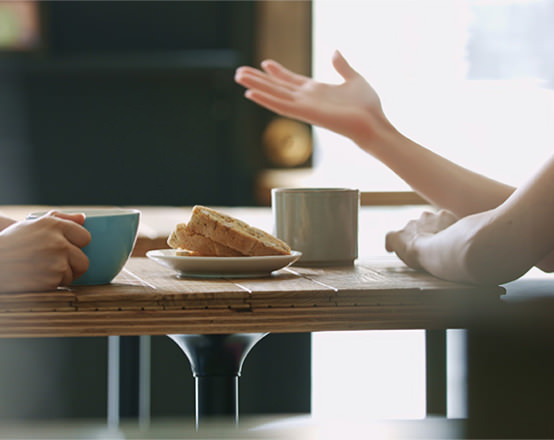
point(128, 379)
point(216, 363)
point(435, 356)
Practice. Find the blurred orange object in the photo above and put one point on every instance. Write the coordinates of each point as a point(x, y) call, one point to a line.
point(19, 25)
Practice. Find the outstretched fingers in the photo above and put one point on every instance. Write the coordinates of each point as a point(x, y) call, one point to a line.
point(264, 84)
point(294, 108)
point(277, 104)
point(290, 108)
point(277, 70)
point(245, 74)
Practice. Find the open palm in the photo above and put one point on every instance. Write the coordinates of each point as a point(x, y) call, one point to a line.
point(347, 108)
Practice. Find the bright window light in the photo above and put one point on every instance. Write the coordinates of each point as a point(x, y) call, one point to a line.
point(368, 375)
point(469, 79)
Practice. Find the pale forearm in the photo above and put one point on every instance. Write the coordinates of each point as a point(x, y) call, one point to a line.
point(444, 254)
point(353, 109)
point(440, 181)
point(474, 250)
point(492, 247)
point(5, 222)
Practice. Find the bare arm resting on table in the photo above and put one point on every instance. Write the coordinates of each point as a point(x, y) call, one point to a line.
point(494, 246)
point(354, 110)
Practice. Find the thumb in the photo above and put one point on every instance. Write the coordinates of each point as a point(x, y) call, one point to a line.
point(342, 67)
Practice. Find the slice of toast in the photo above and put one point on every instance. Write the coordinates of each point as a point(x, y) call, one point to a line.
point(192, 244)
point(234, 233)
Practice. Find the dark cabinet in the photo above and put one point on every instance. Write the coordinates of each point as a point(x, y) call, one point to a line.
point(135, 103)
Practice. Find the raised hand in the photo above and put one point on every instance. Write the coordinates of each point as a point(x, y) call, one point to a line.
point(43, 253)
point(351, 108)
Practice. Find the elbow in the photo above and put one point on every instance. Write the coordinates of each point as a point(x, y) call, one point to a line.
point(489, 263)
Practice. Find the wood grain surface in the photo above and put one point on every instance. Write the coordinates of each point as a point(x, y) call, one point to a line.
point(147, 298)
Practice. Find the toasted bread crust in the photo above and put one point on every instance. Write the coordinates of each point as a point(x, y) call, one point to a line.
point(183, 239)
point(234, 233)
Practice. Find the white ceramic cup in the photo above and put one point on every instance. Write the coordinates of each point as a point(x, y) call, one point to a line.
point(322, 223)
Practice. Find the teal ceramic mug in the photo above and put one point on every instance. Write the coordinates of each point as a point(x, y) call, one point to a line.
point(113, 234)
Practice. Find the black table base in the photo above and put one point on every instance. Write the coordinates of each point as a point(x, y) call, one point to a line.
point(216, 362)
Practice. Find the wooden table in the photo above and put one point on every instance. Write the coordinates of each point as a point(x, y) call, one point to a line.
point(379, 292)
point(147, 299)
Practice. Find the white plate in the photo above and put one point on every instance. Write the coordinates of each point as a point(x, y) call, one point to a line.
point(222, 267)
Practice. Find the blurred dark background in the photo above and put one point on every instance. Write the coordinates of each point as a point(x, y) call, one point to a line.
point(134, 103)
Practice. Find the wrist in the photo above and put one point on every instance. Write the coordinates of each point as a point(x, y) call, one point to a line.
point(374, 132)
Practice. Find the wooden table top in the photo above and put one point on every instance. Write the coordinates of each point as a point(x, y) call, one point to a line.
point(379, 292)
point(147, 298)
